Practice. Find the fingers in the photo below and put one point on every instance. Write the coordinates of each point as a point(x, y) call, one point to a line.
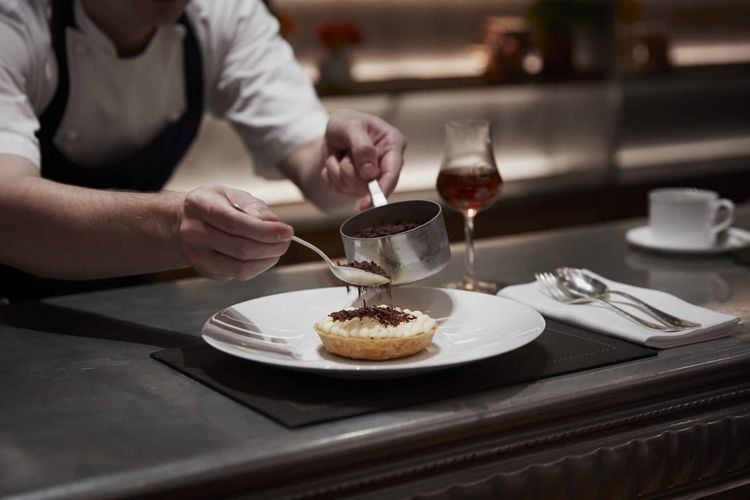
point(365, 202)
point(245, 202)
point(363, 152)
point(374, 147)
point(229, 234)
point(351, 134)
point(198, 232)
point(220, 267)
point(342, 177)
point(391, 164)
point(255, 221)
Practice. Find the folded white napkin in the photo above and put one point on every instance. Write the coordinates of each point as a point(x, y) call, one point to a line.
point(602, 319)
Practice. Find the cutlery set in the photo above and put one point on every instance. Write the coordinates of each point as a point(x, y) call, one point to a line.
point(576, 286)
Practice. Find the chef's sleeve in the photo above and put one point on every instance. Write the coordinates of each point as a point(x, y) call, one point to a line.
point(263, 92)
point(18, 121)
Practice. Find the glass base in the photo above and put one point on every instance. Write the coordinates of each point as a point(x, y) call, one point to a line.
point(477, 286)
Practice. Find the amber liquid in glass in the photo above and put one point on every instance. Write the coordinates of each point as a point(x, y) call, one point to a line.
point(467, 188)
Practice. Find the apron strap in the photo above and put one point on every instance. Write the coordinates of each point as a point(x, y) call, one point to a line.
point(146, 169)
point(62, 17)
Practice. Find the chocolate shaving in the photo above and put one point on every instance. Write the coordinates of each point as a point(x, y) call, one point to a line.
point(367, 265)
point(385, 315)
point(385, 229)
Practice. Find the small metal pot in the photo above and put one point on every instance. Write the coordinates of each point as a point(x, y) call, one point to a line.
point(408, 256)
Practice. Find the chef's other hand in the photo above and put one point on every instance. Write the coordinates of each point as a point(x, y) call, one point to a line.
point(360, 148)
point(223, 243)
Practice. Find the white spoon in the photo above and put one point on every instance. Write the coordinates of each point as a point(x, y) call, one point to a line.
point(351, 275)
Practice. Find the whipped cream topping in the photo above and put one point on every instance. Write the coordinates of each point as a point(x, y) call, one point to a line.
point(370, 327)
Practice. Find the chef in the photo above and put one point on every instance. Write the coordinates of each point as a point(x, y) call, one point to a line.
point(99, 102)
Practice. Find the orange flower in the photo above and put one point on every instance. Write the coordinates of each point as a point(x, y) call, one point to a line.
point(338, 35)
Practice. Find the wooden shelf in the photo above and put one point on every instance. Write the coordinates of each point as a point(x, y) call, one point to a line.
point(399, 85)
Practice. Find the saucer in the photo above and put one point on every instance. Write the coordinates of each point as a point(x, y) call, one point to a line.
point(641, 237)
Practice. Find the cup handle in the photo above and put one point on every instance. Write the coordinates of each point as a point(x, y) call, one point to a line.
point(724, 216)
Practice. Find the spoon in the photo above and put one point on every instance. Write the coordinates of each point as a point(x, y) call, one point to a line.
point(351, 275)
point(587, 285)
point(558, 291)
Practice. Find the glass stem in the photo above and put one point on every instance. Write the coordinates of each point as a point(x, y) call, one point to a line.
point(470, 281)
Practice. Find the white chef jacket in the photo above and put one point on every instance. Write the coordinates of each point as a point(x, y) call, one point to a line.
point(117, 105)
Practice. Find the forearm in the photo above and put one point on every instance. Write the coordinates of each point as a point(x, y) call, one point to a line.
point(60, 231)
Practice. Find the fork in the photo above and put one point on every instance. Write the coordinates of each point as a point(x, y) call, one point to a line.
point(552, 287)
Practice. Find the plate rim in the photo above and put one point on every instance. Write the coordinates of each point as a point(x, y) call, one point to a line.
point(372, 369)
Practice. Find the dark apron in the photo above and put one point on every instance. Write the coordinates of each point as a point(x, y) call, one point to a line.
point(147, 169)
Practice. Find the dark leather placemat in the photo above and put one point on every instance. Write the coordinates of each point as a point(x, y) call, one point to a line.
point(296, 399)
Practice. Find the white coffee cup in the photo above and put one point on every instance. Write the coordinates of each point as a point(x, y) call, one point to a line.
point(688, 217)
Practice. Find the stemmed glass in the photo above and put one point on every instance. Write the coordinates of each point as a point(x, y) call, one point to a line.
point(469, 181)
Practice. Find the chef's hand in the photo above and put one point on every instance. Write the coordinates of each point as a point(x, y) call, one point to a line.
point(359, 148)
point(221, 242)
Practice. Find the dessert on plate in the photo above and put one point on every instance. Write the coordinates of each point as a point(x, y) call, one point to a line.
point(376, 332)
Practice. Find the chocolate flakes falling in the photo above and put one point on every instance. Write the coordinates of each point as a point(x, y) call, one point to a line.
point(371, 267)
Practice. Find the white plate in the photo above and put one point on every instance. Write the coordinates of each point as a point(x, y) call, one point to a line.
point(472, 326)
point(641, 237)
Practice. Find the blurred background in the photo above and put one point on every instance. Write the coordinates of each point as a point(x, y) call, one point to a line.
point(592, 102)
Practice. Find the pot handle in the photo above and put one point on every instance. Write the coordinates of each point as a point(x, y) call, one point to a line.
point(378, 198)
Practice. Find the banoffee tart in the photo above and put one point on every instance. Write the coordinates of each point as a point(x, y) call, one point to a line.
point(376, 332)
